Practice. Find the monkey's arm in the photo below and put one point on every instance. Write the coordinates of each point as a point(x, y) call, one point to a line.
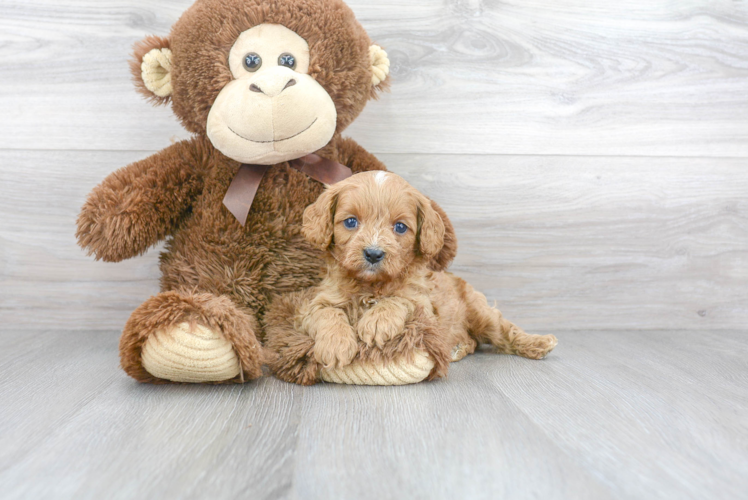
point(137, 206)
point(356, 157)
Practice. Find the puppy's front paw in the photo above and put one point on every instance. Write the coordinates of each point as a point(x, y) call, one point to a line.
point(336, 346)
point(377, 327)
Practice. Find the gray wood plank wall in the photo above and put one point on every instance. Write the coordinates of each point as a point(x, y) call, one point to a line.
point(591, 154)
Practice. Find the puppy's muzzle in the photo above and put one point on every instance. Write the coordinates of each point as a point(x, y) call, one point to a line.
point(373, 255)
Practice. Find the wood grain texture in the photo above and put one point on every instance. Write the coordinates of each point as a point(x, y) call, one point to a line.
point(609, 415)
point(469, 76)
point(558, 242)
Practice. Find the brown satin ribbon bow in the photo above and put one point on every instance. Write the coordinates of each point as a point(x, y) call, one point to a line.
point(243, 188)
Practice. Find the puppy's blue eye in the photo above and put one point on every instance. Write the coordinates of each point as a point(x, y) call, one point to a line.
point(401, 228)
point(351, 223)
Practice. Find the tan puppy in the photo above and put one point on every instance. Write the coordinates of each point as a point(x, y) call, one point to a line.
point(380, 233)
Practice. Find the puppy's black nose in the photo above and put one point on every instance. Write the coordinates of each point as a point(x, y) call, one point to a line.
point(374, 254)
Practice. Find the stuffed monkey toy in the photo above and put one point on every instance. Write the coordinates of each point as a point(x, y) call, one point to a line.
point(266, 87)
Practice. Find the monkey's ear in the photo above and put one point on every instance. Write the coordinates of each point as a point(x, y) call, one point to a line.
point(319, 218)
point(151, 69)
point(380, 68)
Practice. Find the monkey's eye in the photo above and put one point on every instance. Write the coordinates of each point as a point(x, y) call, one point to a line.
point(401, 228)
point(287, 60)
point(252, 62)
point(351, 223)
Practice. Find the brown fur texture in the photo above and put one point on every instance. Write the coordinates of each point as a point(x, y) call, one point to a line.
point(381, 311)
point(215, 271)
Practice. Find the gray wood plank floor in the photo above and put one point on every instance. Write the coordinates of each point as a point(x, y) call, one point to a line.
point(610, 414)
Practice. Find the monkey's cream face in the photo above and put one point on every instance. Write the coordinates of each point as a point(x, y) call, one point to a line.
point(272, 111)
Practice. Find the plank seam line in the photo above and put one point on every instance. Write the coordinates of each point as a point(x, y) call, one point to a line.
point(379, 153)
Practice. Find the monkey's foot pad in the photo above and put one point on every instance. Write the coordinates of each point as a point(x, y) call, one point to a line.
point(397, 373)
point(184, 354)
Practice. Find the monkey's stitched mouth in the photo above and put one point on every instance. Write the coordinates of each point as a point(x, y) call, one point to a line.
point(279, 140)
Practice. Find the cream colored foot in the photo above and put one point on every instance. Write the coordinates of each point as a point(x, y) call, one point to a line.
point(398, 373)
point(184, 355)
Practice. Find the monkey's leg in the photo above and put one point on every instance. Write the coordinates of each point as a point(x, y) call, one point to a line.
point(196, 338)
point(293, 348)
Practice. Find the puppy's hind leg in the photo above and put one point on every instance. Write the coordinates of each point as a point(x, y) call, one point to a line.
point(487, 324)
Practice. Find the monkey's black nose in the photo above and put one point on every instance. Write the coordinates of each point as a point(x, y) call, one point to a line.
point(374, 254)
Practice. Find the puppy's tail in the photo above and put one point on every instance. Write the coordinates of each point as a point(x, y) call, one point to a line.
point(486, 324)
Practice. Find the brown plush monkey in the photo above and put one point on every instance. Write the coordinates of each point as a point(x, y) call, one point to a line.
point(260, 84)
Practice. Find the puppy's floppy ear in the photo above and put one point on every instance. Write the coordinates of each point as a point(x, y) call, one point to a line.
point(447, 254)
point(430, 234)
point(319, 219)
point(151, 69)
